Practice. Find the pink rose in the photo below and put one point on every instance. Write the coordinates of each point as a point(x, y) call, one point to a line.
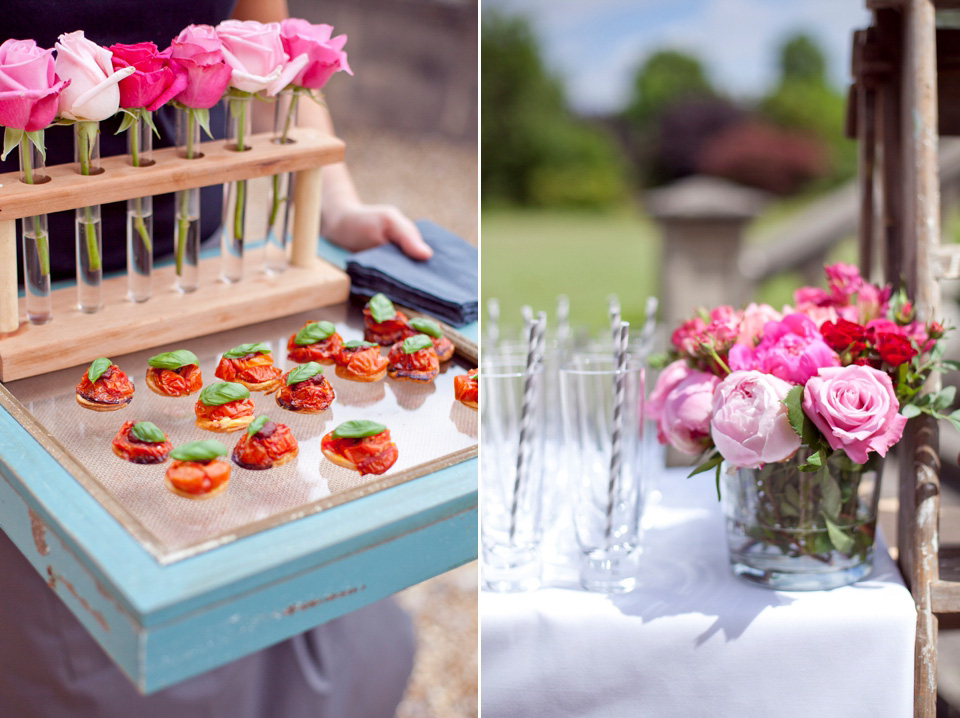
point(197, 50)
point(750, 426)
point(255, 54)
point(844, 281)
point(791, 349)
point(155, 79)
point(687, 337)
point(325, 54)
point(29, 88)
point(872, 302)
point(685, 418)
point(755, 317)
point(671, 375)
point(93, 93)
point(856, 410)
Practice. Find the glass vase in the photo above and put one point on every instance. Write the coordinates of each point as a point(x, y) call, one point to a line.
point(233, 231)
point(279, 223)
point(88, 231)
point(140, 215)
point(799, 531)
point(187, 204)
point(35, 237)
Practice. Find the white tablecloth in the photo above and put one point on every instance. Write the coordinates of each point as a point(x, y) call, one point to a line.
point(693, 640)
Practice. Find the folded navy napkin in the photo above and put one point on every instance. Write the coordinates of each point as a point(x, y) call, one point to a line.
point(444, 286)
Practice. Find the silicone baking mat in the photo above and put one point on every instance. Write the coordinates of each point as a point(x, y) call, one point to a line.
point(430, 428)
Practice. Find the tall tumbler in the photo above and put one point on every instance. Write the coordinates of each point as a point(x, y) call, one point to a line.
point(88, 226)
point(187, 203)
point(140, 214)
point(233, 235)
point(279, 224)
point(35, 237)
point(606, 466)
point(511, 474)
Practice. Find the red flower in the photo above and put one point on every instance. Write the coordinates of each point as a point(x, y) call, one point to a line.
point(842, 335)
point(895, 349)
point(155, 80)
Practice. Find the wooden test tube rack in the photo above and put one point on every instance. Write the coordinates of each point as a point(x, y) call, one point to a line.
point(121, 326)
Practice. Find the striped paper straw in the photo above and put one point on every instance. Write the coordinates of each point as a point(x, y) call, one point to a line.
point(563, 319)
point(613, 303)
point(650, 325)
point(620, 349)
point(493, 319)
point(526, 311)
point(535, 331)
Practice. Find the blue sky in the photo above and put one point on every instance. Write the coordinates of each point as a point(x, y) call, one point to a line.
point(595, 45)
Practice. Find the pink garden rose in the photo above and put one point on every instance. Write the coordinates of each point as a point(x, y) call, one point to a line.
point(750, 426)
point(155, 80)
point(325, 54)
point(686, 338)
point(93, 93)
point(755, 318)
point(198, 50)
point(29, 87)
point(856, 410)
point(791, 349)
point(255, 54)
point(685, 417)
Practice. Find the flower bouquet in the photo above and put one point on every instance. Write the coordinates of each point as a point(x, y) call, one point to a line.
point(795, 411)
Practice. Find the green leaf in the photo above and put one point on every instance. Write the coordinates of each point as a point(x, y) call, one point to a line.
point(945, 397)
point(830, 498)
point(129, 118)
point(358, 343)
point(792, 495)
point(203, 119)
point(910, 410)
point(710, 463)
point(843, 543)
point(313, 333)
point(148, 431)
point(358, 429)
point(794, 404)
point(223, 393)
point(257, 424)
point(11, 138)
point(148, 118)
point(416, 343)
point(173, 360)
point(245, 350)
point(205, 450)
point(426, 326)
point(97, 368)
point(381, 308)
point(950, 365)
point(36, 139)
point(788, 509)
point(303, 372)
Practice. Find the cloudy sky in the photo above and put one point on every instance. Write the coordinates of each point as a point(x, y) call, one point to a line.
point(595, 45)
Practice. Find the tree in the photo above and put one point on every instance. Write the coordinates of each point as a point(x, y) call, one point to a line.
point(801, 59)
point(666, 78)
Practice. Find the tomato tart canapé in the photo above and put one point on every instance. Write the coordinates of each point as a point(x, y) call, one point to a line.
point(361, 445)
point(316, 341)
point(141, 442)
point(197, 471)
point(382, 323)
point(305, 389)
point(265, 445)
point(250, 365)
point(175, 373)
point(466, 389)
point(104, 387)
point(224, 406)
point(413, 359)
point(421, 325)
point(361, 361)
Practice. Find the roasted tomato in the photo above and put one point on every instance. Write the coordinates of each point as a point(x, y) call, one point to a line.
point(384, 333)
point(198, 479)
point(369, 455)
point(224, 413)
point(324, 351)
point(466, 389)
point(184, 381)
point(362, 363)
point(254, 371)
point(129, 447)
point(273, 445)
point(112, 390)
point(309, 397)
point(444, 348)
point(422, 365)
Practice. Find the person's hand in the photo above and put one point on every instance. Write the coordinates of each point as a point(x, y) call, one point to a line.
point(361, 226)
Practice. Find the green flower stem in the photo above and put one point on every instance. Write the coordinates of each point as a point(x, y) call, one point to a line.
point(43, 244)
point(138, 222)
point(241, 184)
point(291, 111)
point(191, 128)
point(183, 221)
point(86, 131)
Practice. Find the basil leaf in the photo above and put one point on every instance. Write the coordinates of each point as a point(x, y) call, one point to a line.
point(199, 450)
point(473, 374)
point(357, 343)
point(173, 360)
point(313, 333)
point(97, 368)
point(245, 349)
point(358, 429)
point(148, 431)
point(416, 343)
point(426, 326)
point(257, 424)
point(303, 372)
point(223, 393)
point(381, 308)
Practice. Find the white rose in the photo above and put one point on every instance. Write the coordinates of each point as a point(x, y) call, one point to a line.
point(93, 93)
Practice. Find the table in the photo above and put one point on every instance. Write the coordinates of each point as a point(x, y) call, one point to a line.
point(693, 640)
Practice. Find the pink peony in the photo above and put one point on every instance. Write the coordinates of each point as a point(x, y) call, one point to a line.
point(844, 281)
point(791, 349)
point(750, 426)
point(197, 49)
point(685, 417)
point(93, 93)
point(325, 54)
point(671, 375)
point(29, 88)
point(755, 317)
point(255, 54)
point(155, 80)
point(856, 410)
point(686, 338)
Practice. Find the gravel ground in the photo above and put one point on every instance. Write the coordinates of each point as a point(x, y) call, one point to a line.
point(433, 178)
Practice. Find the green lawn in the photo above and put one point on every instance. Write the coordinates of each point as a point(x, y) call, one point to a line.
point(531, 256)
